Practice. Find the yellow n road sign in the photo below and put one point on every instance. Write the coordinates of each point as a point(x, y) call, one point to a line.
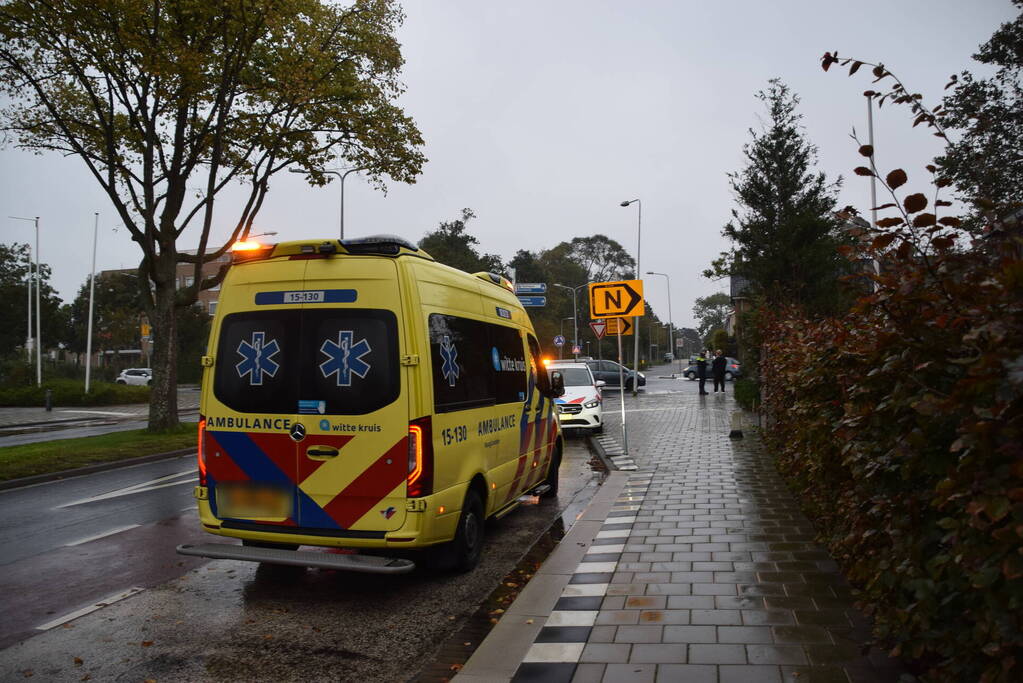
point(622, 326)
point(622, 299)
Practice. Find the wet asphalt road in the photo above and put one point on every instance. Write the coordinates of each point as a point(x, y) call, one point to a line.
point(192, 620)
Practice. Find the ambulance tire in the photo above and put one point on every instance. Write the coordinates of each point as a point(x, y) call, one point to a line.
point(467, 548)
point(553, 475)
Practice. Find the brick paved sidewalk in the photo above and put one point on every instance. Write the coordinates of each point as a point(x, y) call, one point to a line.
point(703, 569)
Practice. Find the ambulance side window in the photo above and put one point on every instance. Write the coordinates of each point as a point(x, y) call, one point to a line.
point(543, 382)
point(509, 361)
point(462, 363)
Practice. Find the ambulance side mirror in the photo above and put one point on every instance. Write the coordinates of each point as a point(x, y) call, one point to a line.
point(557, 385)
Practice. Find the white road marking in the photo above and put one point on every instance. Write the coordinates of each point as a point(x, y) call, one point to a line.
point(99, 604)
point(99, 412)
point(150, 485)
point(102, 535)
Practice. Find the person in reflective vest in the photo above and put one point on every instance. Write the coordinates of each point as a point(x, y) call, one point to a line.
point(701, 371)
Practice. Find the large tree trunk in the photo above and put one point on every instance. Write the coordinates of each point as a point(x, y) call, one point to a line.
point(163, 396)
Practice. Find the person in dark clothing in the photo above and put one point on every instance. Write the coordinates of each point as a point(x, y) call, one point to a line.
point(701, 371)
point(718, 369)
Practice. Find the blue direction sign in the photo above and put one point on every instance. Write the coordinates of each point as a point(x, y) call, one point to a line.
point(533, 301)
point(559, 340)
point(530, 287)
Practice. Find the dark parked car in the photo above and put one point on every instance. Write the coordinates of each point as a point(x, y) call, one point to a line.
point(607, 370)
point(732, 369)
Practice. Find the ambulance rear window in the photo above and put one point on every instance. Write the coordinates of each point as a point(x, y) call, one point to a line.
point(319, 361)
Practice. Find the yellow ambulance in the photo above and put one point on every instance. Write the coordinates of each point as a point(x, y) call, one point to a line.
point(359, 395)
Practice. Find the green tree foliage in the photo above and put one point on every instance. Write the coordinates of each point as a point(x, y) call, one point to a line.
point(711, 312)
point(986, 162)
point(784, 235)
point(116, 318)
point(603, 259)
point(719, 340)
point(453, 246)
point(15, 265)
point(155, 97)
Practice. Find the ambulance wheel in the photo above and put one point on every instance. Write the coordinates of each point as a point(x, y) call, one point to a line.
point(553, 476)
point(467, 548)
point(267, 544)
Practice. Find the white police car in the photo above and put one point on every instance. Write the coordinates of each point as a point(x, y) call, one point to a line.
point(580, 406)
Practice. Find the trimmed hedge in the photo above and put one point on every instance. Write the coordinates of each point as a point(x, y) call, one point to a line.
point(900, 426)
point(68, 392)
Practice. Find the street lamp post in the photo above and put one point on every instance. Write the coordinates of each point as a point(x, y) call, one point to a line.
point(92, 298)
point(635, 320)
point(575, 314)
point(342, 176)
point(561, 348)
point(671, 326)
point(38, 282)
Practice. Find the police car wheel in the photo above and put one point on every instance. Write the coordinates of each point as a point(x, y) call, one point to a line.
point(468, 544)
point(553, 475)
point(728, 376)
point(691, 376)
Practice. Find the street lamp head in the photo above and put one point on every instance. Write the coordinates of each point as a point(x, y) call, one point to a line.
point(625, 203)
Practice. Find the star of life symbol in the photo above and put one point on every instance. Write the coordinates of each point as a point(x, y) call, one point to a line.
point(449, 354)
point(344, 358)
point(257, 358)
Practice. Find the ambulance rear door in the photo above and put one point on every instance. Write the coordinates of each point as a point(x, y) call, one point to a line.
point(352, 398)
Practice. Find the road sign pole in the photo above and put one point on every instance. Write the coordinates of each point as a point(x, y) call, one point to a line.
point(621, 394)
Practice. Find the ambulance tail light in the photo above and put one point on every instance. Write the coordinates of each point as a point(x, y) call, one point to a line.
point(201, 455)
point(420, 458)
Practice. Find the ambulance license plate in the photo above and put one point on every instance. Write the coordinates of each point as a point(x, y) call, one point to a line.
point(246, 501)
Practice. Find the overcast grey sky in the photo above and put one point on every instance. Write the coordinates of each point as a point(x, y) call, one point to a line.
point(543, 115)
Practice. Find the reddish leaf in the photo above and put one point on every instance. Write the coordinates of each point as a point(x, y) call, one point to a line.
point(950, 221)
point(924, 220)
point(882, 241)
point(884, 206)
point(904, 250)
point(879, 72)
point(942, 182)
point(932, 168)
point(942, 202)
point(863, 170)
point(890, 222)
point(896, 178)
point(147, 643)
point(915, 202)
point(855, 67)
point(867, 150)
point(942, 242)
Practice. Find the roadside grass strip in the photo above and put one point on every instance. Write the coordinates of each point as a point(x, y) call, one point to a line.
point(560, 645)
point(66, 454)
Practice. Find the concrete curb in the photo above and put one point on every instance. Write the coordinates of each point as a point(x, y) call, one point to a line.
point(502, 651)
point(596, 447)
point(90, 469)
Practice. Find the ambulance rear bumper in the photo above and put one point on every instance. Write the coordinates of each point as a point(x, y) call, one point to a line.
point(370, 564)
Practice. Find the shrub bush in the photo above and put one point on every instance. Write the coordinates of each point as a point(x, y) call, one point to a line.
point(900, 425)
point(68, 392)
point(747, 393)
